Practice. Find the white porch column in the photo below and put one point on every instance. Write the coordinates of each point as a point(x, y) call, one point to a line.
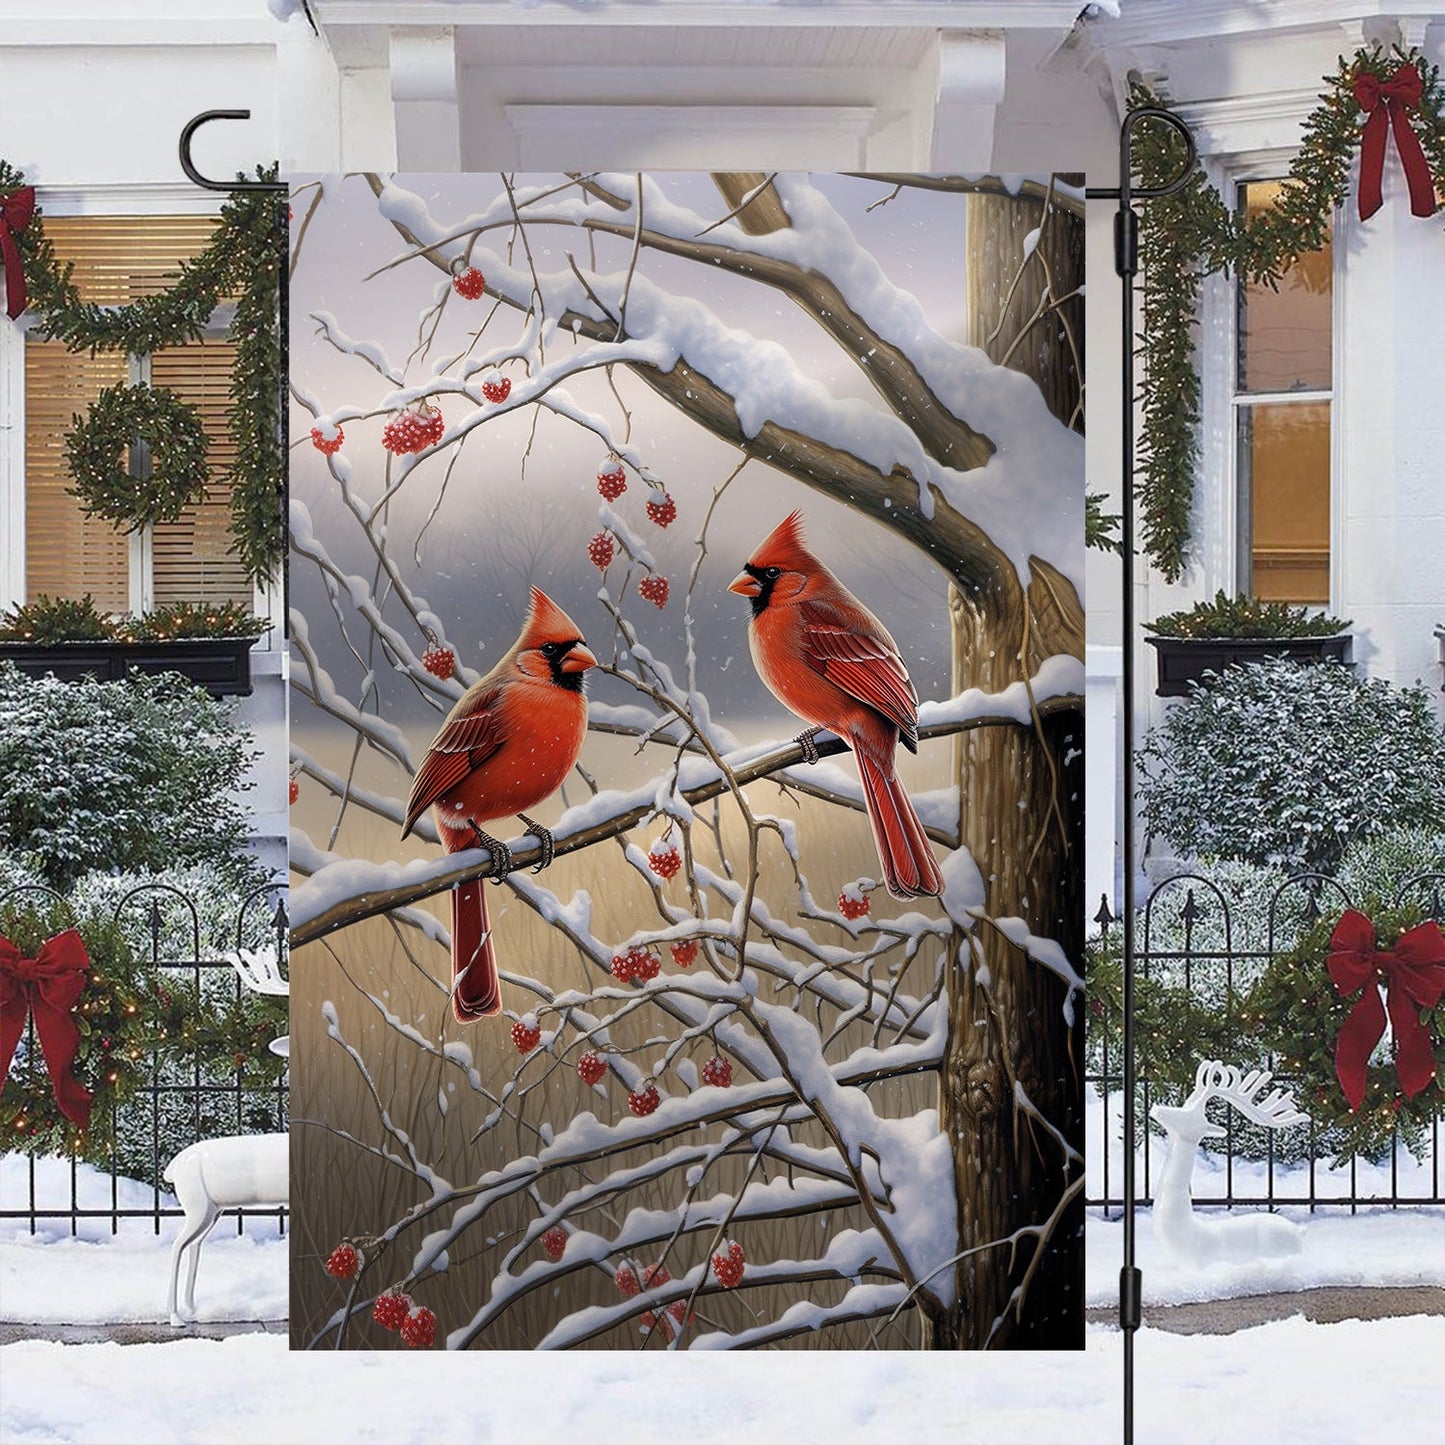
point(424, 98)
point(968, 86)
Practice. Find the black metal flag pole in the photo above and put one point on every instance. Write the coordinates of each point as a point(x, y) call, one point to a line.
point(1126, 264)
point(279, 188)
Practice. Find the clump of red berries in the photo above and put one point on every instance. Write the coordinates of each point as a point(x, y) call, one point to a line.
point(644, 1101)
point(327, 439)
point(526, 1034)
point(626, 1278)
point(655, 1275)
point(555, 1241)
point(684, 954)
point(591, 1068)
point(853, 902)
point(635, 963)
point(294, 791)
point(439, 660)
point(718, 1072)
point(611, 479)
point(600, 551)
point(662, 509)
point(469, 284)
point(391, 1309)
point(663, 857)
point(498, 389)
point(419, 1328)
point(413, 431)
point(728, 1264)
point(343, 1261)
point(654, 589)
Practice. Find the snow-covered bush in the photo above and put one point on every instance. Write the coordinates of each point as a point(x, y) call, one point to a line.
point(1376, 868)
point(141, 774)
point(1280, 764)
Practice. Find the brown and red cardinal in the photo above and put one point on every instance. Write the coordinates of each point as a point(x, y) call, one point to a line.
point(507, 745)
point(825, 656)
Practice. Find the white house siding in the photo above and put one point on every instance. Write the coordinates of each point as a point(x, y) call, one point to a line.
point(97, 133)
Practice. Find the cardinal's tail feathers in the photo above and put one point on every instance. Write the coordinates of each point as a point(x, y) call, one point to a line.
point(908, 866)
point(476, 992)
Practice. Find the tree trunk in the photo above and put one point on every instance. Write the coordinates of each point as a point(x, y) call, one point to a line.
point(1012, 1032)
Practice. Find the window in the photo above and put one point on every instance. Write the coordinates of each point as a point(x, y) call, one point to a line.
point(1282, 399)
point(117, 260)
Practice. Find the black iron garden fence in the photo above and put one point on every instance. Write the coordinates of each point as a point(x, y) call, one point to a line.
point(1200, 952)
point(206, 1069)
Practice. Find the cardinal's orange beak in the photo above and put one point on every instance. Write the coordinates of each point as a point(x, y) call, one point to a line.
point(578, 659)
point(745, 585)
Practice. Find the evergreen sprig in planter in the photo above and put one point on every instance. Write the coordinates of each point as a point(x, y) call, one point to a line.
point(1228, 631)
point(210, 645)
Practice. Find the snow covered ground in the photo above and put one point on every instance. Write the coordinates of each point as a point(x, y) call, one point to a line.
point(1279, 1383)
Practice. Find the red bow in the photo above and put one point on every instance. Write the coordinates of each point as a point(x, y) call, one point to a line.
point(1386, 102)
point(46, 988)
point(16, 210)
point(1413, 974)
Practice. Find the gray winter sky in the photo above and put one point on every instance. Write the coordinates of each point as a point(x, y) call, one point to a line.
point(493, 532)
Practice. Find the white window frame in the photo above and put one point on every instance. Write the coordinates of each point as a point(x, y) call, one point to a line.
point(1224, 553)
point(182, 199)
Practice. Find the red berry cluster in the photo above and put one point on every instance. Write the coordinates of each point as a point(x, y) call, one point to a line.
point(728, 1264)
point(684, 954)
point(413, 431)
point(654, 589)
point(469, 284)
point(635, 963)
point(853, 902)
point(328, 446)
point(555, 1241)
point(525, 1034)
point(663, 858)
point(654, 1275)
point(626, 1278)
point(611, 479)
point(294, 790)
point(439, 660)
point(718, 1072)
point(419, 1328)
point(498, 389)
point(643, 1102)
point(662, 509)
point(391, 1309)
point(343, 1261)
point(600, 551)
point(591, 1068)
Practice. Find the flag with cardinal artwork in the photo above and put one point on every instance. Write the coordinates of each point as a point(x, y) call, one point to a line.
point(686, 733)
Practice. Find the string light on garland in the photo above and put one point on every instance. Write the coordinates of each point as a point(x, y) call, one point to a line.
point(1193, 233)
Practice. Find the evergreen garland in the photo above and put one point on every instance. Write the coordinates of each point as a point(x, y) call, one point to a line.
point(244, 259)
point(1193, 232)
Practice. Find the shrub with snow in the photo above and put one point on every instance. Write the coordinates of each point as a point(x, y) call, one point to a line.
point(1288, 765)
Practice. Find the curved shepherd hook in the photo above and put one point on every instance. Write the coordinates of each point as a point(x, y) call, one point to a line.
point(189, 166)
point(1126, 264)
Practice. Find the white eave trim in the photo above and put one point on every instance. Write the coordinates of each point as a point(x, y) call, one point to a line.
point(927, 14)
point(1147, 22)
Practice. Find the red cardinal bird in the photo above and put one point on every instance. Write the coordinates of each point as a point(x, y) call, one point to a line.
point(828, 658)
point(507, 744)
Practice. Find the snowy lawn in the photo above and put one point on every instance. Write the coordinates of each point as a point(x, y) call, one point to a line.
point(50, 1277)
point(1278, 1383)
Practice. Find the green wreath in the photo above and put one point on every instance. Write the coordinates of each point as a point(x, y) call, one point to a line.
point(1296, 1011)
point(172, 431)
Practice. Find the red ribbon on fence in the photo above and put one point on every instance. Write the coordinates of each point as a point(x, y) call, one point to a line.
point(16, 210)
point(1387, 103)
point(46, 989)
point(1413, 976)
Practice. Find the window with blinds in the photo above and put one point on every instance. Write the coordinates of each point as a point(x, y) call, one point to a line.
point(119, 259)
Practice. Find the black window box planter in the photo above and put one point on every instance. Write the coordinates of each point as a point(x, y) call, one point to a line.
point(221, 665)
point(1184, 660)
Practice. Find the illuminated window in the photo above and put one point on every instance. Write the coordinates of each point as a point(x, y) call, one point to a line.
point(1282, 394)
point(118, 259)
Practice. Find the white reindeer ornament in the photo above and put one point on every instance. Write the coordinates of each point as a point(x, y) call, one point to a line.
point(1235, 1238)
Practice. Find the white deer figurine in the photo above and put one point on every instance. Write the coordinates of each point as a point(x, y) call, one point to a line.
point(1235, 1238)
point(217, 1174)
